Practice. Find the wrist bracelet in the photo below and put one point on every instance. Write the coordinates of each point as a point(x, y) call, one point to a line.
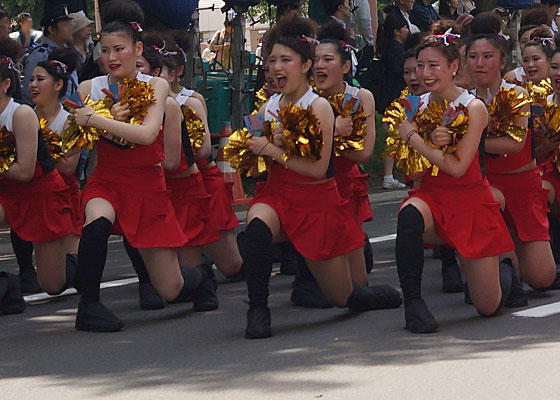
point(87, 121)
point(410, 134)
point(259, 153)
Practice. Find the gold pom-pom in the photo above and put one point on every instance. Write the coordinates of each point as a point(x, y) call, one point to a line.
point(52, 140)
point(405, 92)
point(195, 128)
point(261, 96)
point(406, 156)
point(238, 154)
point(355, 141)
point(139, 96)
point(539, 92)
point(302, 135)
point(504, 108)
point(85, 137)
point(7, 149)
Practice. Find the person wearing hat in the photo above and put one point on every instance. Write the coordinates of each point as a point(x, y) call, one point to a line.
point(26, 35)
point(81, 30)
point(57, 32)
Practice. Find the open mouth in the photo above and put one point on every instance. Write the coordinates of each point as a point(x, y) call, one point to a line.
point(35, 93)
point(430, 82)
point(321, 77)
point(281, 82)
point(414, 87)
point(113, 67)
point(557, 83)
point(532, 72)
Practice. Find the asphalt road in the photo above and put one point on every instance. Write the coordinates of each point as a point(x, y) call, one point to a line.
point(314, 354)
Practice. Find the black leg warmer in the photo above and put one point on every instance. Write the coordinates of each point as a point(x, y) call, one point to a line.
point(368, 254)
point(92, 255)
point(305, 289)
point(137, 262)
point(373, 298)
point(451, 274)
point(410, 263)
point(24, 255)
point(255, 246)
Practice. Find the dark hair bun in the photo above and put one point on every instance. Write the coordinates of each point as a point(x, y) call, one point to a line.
point(183, 40)
point(333, 30)
point(292, 25)
point(122, 10)
point(66, 56)
point(486, 23)
point(442, 26)
point(10, 48)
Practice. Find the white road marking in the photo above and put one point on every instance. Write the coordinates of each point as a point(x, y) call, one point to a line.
point(385, 238)
point(539, 312)
point(68, 292)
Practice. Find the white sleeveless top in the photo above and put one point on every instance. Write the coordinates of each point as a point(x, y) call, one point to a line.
point(352, 90)
point(8, 114)
point(520, 74)
point(102, 82)
point(57, 124)
point(183, 96)
point(273, 105)
point(463, 99)
point(550, 98)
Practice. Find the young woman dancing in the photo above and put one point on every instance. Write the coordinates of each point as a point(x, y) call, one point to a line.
point(299, 201)
point(128, 184)
point(438, 211)
point(34, 200)
point(510, 165)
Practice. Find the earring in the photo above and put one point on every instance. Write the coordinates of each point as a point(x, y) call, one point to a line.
point(454, 73)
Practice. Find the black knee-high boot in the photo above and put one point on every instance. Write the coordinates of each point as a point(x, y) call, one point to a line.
point(148, 296)
point(450, 272)
point(24, 256)
point(368, 254)
point(554, 230)
point(92, 255)
point(380, 297)
point(255, 246)
point(11, 297)
point(410, 263)
point(305, 289)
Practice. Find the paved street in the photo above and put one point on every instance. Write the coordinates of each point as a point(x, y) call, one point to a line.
point(314, 354)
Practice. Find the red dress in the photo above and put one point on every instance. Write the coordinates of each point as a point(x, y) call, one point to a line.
point(131, 181)
point(38, 210)
point(313, 217)
point(353, 186)
point(192, 205)
point(526, 199)
point(549, 172)
point(221, 213)
point(466, 216)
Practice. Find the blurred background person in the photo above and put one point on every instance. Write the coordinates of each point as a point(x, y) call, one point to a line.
point(25, 34)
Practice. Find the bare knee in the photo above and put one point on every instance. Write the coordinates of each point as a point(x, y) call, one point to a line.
point(542, 281)
point(169, 290)
point(488, 308)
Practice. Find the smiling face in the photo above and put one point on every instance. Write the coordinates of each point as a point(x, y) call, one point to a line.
point(485, 63)
point(535, 63)
point(119, 54)
point(411, 78)
point(435, 71)
point(43, 88)
point(328, 68)
point(288, 69)
point(554, 72)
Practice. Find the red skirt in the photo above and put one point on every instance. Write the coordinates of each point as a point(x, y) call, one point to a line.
point(192, 208)
point(222, 214)
point(550, 173)
point(467, 218)
point(313, 217)
point(142, 205)
point(353, 186)
point(39, 210)
point(75, 200)
point(526, 203)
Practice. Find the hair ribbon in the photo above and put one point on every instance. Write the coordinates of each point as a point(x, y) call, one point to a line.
point(448, 37)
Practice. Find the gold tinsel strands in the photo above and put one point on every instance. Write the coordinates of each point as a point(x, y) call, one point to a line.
point(405, 92)
point(539, 92)
point(139, 96)
point(7, 149)
point(432, 118)
point(52, 140)
point(261, 96)
point(195, 128)
point(551, 120)
point(504, 108)
point(239, 155)
point(302, 135)
point(85, 137)
point(406, 156)
point(355, 141)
